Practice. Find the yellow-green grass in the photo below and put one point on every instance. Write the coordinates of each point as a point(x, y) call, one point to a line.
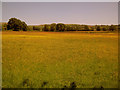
point(57, 59)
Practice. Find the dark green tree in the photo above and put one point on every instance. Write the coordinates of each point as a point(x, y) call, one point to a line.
point(60, 27)
point(86, 28)
point(16, 25)
point(104, 28)
point(24, 26)
point(46, 27)
point(4, 26)
point(119, 28)
point(37, 28)
point(98, 28)
point(53, 27)
point(112, 28)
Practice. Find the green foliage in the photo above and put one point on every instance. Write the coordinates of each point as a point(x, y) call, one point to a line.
point(119, 28)
point(53, 27)
point(24, 26)
point(16, 25)
point(98, 28)
point(36, 28)
point(47, 27)
point(30, 28)
point(60, 27)
point(41, 27)
point(113, 28)
point(86, 28)
point(4, 26)
point(92, 28)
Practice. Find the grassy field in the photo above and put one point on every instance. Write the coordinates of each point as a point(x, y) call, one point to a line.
point(59, 59)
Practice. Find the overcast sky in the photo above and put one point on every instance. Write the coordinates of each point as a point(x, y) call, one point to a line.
point(62, 12)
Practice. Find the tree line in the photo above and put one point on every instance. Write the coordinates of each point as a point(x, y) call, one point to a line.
point(15, 24)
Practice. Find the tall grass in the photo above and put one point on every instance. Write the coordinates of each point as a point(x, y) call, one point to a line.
point(57, 60)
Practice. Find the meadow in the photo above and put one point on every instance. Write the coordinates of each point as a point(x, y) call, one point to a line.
point(59, 59)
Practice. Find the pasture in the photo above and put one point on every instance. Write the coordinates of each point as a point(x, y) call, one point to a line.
point(59, 59)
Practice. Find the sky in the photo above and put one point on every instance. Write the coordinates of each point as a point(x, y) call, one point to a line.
point(35, 13)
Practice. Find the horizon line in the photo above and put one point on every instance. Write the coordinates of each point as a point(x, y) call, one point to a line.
point(65, 23)
point(73, 23)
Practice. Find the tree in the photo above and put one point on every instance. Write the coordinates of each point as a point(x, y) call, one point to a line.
point(112, 28)
point(86, 28)
point(4, 26)
point(46, 27)
point(92, 28)
point(30, 27)
point(98, 28)
point(16, 25)
point(24, 26)
point(53, 27)
point(119, 28)
point(41, 27)
point(36, 28)
point(60, 27)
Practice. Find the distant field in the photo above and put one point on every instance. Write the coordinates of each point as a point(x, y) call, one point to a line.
point(59, 59)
